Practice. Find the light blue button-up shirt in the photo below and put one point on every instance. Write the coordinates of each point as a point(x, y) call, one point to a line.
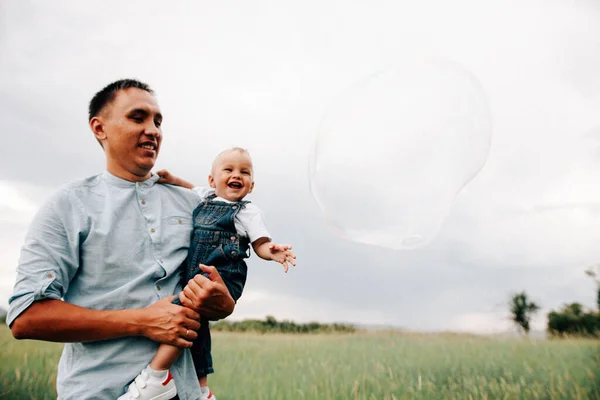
point(105, 243)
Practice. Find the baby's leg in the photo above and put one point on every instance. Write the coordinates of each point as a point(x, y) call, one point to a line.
point(165, 357)
point(201, 352)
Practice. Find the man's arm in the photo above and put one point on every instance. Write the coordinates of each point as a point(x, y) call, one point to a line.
point(164, 322)
point(58, 321)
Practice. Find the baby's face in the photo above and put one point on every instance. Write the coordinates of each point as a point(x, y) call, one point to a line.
point(231, 176)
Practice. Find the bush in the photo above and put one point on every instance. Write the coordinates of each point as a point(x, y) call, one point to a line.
point(571, 320)
point(271, 325)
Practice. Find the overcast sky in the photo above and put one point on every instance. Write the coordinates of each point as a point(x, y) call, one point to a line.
point(262, 74)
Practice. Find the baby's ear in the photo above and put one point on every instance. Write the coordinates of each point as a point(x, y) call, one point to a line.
point(251, 187)
point(211, 181)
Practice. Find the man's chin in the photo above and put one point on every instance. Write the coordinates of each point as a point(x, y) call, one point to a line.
point(146, 164)
point(144, 170)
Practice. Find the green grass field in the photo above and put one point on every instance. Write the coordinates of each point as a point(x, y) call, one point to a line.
point(356, 366)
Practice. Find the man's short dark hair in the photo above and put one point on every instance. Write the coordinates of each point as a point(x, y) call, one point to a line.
point(106, 95)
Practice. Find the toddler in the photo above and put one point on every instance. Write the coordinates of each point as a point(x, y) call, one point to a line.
point(224, 227)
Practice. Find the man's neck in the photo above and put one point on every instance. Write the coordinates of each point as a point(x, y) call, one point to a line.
point(126, 175)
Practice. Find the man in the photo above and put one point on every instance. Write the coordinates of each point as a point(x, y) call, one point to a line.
point(110, 246)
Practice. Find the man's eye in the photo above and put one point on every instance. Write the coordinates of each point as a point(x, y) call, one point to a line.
point(137, 119)
point(158, 123)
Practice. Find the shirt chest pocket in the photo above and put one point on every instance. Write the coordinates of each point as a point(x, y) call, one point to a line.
point(176, 233)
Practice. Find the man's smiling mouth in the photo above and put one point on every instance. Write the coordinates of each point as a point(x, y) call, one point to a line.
point(148, 146)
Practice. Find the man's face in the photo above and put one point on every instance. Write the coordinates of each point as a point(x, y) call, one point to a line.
point(232, 176)
point(129, 129)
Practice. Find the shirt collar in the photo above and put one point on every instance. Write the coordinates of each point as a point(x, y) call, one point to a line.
point(116, 181)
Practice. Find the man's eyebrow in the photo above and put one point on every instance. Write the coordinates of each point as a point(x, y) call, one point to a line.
point(138, 111)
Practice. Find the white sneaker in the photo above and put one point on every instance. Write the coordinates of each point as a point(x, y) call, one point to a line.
point(148, 387)
point(208, 395)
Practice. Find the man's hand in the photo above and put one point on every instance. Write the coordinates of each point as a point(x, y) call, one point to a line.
point(168, 178)
point(169, 323)
point(208, 296)
point(282, 254)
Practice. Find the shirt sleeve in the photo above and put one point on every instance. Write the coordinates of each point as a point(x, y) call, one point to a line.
point(252, 220)
point(203, 192)
point(50, 254)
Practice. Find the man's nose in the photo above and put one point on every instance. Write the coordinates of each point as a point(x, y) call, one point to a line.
point(152, 130)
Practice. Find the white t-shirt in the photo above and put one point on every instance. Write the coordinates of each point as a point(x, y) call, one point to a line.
point(248, 222)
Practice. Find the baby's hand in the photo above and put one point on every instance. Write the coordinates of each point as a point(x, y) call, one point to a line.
point(167, 177)
point(282, 254)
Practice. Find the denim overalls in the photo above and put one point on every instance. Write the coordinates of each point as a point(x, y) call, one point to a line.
point(215, 242)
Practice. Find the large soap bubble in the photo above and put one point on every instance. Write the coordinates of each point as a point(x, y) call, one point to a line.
point(396, 148)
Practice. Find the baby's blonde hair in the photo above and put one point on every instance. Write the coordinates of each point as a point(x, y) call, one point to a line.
point(240, 150)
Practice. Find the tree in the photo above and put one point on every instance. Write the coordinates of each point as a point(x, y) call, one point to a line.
point(594, 273)
point(522, 309)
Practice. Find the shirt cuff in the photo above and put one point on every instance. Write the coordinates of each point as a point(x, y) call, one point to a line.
point(21, 301)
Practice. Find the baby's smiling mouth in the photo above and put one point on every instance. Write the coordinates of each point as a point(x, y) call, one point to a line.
point(235, 185)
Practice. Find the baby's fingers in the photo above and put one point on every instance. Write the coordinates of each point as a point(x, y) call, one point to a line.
point(291, 260)
point(274, 247)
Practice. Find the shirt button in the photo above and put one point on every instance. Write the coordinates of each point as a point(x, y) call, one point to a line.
point(234, 207)
point(143, 201)
point(233, 238)
point(179, 221)
point(152, 230)
point(49, 275)
point(233, 253)
point(157, 287)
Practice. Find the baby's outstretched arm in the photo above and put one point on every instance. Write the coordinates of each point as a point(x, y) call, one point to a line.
point(276, 252)
point(167, 177)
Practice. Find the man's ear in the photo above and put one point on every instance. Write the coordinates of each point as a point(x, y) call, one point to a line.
point(211, 181)
point(98, 129)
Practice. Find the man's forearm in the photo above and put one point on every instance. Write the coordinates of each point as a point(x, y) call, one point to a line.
point(58, 321)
